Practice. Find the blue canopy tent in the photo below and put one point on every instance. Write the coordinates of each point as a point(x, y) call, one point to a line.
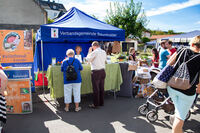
point(73, 28)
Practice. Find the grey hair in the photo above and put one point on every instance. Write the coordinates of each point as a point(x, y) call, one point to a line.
point(70, 52)
point(95, 43)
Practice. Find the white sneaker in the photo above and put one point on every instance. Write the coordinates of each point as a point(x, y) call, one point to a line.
point(66, 109)
point(77, 109)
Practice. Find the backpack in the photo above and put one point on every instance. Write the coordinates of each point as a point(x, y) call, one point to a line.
point(71, 73)
point(181, 78)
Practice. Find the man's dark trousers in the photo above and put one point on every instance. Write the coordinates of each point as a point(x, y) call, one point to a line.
point(98, 79)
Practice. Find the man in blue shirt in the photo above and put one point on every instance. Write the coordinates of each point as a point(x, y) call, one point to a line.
point(72, 85)
point(163, 55)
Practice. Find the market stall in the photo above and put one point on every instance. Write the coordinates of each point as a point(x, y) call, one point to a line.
point(73, 28)
point(183, 38)
point(55, 78)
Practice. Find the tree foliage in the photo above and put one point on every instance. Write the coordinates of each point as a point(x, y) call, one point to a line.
point(128, 16)
point(145, 39)
point(159, 32)
point(170, 32)
point(50, 21)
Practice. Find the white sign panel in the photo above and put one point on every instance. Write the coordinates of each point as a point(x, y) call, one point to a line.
point(54, 33)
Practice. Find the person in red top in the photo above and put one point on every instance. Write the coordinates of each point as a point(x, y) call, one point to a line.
point(171, 50)
point(155, 58)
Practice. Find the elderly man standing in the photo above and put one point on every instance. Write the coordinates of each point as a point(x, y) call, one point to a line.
point(97, 58)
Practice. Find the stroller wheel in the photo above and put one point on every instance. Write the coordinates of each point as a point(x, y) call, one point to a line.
point(143, 109)
point(188, 116)
point(152, 116)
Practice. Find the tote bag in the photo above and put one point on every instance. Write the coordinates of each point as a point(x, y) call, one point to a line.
point(181, 78)
point(161, 79)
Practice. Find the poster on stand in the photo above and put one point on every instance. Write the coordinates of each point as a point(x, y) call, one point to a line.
point(17, 49)
point(17, 46)
point(19, 99)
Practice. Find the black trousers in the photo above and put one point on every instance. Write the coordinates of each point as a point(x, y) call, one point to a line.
point(98, 79)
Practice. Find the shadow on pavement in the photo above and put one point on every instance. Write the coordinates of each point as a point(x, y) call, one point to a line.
point(192, 125)
point(116, 116)
point(31, 123)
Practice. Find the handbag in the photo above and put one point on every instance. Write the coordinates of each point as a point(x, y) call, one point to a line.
point(162, 78)
point(181, 78)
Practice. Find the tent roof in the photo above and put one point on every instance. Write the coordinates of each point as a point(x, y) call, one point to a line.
point(185, 35)
point(75, 18)
point(76, 25)
point(151, 42)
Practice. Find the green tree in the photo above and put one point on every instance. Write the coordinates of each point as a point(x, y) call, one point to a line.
point(157, 32)
point(145, 39)
point(50, 21)
point(128, 16)
point(170, 32)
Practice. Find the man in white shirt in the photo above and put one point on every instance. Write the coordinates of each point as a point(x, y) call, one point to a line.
point(97, 58)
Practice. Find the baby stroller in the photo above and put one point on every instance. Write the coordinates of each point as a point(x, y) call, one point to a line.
point(159, 99)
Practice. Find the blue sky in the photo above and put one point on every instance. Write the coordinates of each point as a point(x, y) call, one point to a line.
point(177, 15)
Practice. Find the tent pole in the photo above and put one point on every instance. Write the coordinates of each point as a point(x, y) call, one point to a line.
point(42, 67)
point(42, 56)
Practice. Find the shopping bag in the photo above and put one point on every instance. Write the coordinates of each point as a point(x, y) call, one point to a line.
point(181, 78)
point(161, 79)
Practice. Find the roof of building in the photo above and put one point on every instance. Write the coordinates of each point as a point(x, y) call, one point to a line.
point(51, 5)
point(154, 37)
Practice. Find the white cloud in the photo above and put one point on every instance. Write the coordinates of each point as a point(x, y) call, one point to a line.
point(91, 7)
point(172, 7)
point(197, 22)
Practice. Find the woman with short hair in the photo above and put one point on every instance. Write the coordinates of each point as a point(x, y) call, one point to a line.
point(71, 83)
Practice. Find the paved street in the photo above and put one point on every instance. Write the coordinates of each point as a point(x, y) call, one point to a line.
point(117, 116)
